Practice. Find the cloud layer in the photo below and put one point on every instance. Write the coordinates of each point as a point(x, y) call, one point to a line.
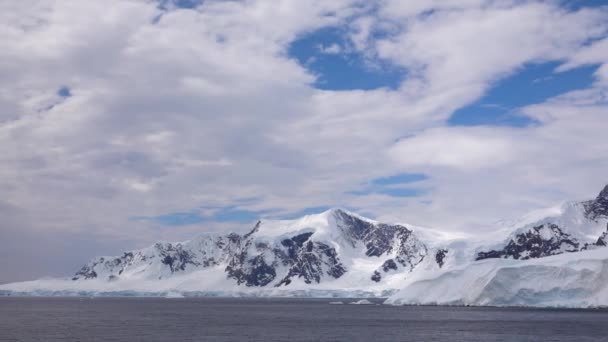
point(116, 110)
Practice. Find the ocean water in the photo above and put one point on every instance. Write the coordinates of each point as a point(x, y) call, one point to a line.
point(225, 319)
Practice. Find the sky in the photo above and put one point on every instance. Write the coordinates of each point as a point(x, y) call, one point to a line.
point(125, 122)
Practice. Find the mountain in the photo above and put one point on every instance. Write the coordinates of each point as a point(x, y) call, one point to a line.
point(315, 249)
point(332, 252)
point(558, 260)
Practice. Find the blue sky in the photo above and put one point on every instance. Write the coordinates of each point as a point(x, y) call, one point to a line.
point(188, 4)
point(344, 68)
point(224, 214)
point(533, 83)
point(350, 70)
point(578, 4)
point(64, 92)
point(398, 185)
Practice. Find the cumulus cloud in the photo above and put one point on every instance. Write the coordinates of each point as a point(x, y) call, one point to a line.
point(174, 109)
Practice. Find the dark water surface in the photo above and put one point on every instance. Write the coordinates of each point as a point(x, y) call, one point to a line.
point(221, 319)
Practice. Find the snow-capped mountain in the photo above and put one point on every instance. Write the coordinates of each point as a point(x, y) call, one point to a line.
point(312, 250)
point(557, 260)
point(336, 251)
point(577, 227)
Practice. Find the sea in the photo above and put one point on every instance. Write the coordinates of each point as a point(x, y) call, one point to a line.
point(283, 319)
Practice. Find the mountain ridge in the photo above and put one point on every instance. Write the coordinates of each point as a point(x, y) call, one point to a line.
point(340, 253)
point(307, 249)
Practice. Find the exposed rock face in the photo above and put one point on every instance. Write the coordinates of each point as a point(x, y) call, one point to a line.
point(540, 241)
point(440, 256)
point(261, 261)
point(175, 256)
point(258, 272)
point(251, 270)
point(311, 261)
point(389, 265)
point(597, 208)
point(379, 239)
point(602, 241)
point(88, 271)
point(304, 258)
point(396, 242)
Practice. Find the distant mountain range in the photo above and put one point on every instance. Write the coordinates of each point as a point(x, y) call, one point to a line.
point(558, 260)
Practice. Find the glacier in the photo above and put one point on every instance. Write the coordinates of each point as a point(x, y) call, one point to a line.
point(565, 280)
point(553, 258)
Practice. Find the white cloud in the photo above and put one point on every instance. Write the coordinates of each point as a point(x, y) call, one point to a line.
point(471, 45)
point(332, 49)
point(461, 148)
point(594, 53)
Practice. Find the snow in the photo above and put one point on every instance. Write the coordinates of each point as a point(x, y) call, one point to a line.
point(571, 218)
point(569, 279)
point(546, 233)
point(174, 295)
point(362, 302)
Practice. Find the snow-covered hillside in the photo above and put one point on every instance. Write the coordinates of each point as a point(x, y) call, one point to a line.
point(332, 252)
point(566, 280)
point(558, 260)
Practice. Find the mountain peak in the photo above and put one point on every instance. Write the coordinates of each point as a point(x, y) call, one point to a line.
point(312, 249)
point(340, 212)
point(337, 211)
point(598, 207)
point(603, 194)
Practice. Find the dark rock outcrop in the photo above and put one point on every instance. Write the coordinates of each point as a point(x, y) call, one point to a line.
point(175, 256)
point(381, 240)
point(440, 257)
point(311, 261)
point(119, 263)
point(389, 265)
point(540, 241)
point(597, 208)
point(602, 241)
point(86, 272)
